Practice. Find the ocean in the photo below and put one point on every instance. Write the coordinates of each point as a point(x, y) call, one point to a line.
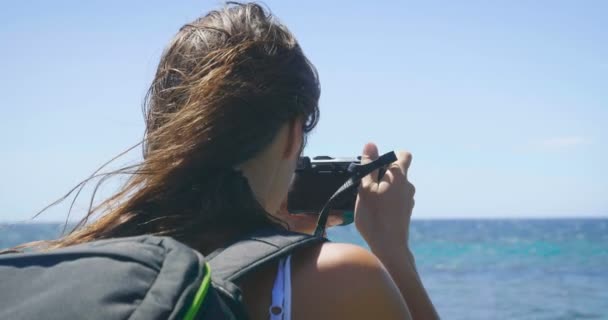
point(485, 269)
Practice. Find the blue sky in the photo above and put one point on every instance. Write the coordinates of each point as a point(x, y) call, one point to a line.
point(504, 104)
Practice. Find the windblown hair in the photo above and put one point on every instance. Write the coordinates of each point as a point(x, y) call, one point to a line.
point(225, 85)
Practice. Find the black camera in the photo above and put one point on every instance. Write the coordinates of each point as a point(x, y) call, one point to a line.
point(326, 185)
point(317, 180)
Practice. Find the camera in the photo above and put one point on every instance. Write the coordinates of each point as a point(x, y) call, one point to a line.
point(326, 185)
point(316, 180)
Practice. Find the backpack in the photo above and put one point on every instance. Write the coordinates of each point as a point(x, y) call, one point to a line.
point(144, 277)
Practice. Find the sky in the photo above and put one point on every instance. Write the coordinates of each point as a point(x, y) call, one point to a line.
point(503, 104)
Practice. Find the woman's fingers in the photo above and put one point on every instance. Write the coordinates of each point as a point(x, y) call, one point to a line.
point(370, 153)
point(404, 160)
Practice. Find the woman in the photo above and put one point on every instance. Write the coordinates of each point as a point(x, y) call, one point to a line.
point(227, 117)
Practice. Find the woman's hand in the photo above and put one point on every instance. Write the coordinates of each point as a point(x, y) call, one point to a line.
point(384, 206)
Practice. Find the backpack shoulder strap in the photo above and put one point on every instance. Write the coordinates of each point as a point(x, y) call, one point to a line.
point(245, 255)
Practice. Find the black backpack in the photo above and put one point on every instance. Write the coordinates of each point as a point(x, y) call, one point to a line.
point(143, 277)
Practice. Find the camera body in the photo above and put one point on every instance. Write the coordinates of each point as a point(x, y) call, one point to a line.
point(316, 180)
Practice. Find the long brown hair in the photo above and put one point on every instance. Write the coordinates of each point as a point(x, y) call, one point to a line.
point(225, 85)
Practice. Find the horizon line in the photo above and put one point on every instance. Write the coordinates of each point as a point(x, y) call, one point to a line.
point(445, 218)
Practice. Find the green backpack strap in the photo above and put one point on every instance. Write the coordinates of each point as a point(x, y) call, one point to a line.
point(199, 298)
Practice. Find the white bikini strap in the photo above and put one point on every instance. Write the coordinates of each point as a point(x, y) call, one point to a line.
point(280, 309)
point(276, 307)
point(287, 291)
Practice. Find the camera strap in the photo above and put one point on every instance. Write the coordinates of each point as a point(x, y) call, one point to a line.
point(358, 172)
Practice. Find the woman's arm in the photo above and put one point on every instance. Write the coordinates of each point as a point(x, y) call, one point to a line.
point(382, 216)
point(401, 265)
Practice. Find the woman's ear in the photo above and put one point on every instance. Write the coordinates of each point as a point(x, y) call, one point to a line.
point(295, 138)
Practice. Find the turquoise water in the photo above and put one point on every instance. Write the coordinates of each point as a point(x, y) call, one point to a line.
point(488, 269)
point(512, 269)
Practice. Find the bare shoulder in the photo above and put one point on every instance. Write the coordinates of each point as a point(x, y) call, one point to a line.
point(343, 281)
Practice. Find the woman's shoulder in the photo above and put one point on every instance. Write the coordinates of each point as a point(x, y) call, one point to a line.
point(343, 281)
point(331, 257)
